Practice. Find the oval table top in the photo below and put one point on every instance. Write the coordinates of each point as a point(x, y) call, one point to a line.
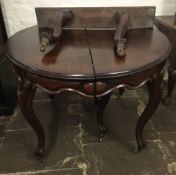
point(84, 54)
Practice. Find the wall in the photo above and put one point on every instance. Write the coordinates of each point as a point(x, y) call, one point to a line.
point(20, 14)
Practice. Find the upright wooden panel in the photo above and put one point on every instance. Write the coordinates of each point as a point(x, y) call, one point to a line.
point(98, 17)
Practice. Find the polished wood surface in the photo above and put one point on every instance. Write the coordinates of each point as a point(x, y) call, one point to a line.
point(70, 57)
point(144, 49)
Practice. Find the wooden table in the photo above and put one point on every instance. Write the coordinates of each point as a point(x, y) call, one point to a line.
point(167, 25)
point(84, 61)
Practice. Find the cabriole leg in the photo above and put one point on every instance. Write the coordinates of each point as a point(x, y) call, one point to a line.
point(155, 93)
point(26, 92)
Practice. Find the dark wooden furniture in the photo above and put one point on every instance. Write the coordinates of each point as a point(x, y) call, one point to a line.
point(167, 25)
point(83, 60)
point(7, 80)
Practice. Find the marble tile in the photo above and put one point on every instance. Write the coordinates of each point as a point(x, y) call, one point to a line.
point(63, 110)
point(164, 120)
point(69, 171)
point(63, 151)
point(117, 159)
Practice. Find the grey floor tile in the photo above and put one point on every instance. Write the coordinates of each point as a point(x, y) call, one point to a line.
point(65, 112)
point(142, 93)
point(164, 120)
point(127, 94)
point(69, 171)
point(63, 172)
point(169, 138)
point(116, 159)
point(41, 95)
point(168, 150)
point(62, 150)
point(45, 115)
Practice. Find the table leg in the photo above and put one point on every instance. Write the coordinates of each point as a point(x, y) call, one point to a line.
point(101, 103)
point(171, 84)
point(155, 93)
point(26, 92)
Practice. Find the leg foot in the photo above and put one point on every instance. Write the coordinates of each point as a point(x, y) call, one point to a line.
point(100, 137)
point(102, 132)
point(39, 151)
point(140, 146)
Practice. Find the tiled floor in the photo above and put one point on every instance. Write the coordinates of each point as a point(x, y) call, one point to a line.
point(72, 146)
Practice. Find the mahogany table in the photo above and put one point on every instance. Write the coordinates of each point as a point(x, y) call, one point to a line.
point(167, 25)
point(83, 60)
